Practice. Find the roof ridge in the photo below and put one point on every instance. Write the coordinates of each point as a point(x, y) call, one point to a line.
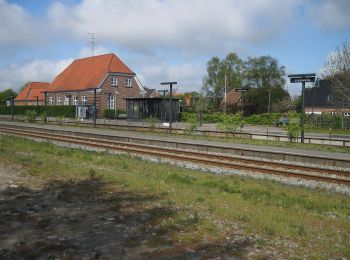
point(91, 57)
point(110, 62)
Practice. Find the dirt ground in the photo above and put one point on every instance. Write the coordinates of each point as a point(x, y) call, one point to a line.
point(87, 219)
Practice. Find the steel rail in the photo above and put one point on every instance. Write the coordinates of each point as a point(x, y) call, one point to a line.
point(230, 158)
point(171, 154)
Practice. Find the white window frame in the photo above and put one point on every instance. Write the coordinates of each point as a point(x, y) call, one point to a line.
point(114, 81)
point(75, 100)
point(84, 100)
point(58, 101)
point(51, 101)
point(128, 82)
point(111, 103)
point(346, 113)
point(66, 100)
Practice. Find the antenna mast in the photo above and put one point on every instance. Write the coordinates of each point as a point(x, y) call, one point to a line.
point(92, 43)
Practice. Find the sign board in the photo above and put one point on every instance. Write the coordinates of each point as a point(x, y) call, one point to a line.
point(302, 79)
point(241, 89)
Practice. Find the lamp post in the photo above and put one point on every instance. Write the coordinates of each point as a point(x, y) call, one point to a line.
point(94, 109)
point(171, 101)
point(268, 112)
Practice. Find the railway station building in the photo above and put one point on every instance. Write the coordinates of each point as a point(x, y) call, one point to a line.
point(105, 79)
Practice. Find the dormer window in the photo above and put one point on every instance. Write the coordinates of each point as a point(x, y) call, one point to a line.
point(114, 82)
point(128, 82)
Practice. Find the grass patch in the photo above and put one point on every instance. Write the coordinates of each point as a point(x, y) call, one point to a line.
point(207, 207)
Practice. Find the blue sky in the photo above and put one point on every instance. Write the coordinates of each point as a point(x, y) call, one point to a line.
point(167, 39)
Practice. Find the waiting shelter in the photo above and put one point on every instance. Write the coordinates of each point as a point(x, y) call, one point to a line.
point(158, 107)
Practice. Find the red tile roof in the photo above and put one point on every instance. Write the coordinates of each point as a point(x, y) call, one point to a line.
point(32, 90)
point(88, 73)
point(232, 97)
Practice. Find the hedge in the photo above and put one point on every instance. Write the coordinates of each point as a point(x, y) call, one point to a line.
point(259, 119)
point(63, 111)
point(110, 113)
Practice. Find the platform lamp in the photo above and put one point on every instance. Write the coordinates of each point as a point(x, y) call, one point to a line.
point(171, 101)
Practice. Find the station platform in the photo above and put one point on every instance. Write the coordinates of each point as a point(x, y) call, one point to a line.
point(225, 144)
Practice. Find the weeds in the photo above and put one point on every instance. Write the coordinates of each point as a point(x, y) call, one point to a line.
point(265, 208)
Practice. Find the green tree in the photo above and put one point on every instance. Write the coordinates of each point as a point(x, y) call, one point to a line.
point(6, 96)
point(214, 81)
point(264, 71)
point(337, 70)
point(266, 75)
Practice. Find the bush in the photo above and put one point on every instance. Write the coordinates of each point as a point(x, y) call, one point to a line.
point(293, 130)
point(192, 121)
point(43, 116)
point(151, 122)
point(230, 123)
point(30, 116)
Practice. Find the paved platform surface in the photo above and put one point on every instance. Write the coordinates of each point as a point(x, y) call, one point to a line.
point(188, 139)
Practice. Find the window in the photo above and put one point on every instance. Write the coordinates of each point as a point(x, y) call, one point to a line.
point(332, 113)
point(75, 100)
point(346, 113)
point(50, 101)
point(329, 98)
point(111, 103)
point(128, 82)
point(66, 100)
point(58, 101)
point(114, 82)
point(84, 100)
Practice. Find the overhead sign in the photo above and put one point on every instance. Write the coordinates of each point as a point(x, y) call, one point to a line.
point(297, 78)
point(241, 89)
point(303, 79)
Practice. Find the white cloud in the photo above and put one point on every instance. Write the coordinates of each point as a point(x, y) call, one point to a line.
point(18, 27)
point(15, 75)
point(98, 50)
point(197, 25)
point(330, 14)
point(188, 76)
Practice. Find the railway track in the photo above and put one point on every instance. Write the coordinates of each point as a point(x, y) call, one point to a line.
point(218, 160)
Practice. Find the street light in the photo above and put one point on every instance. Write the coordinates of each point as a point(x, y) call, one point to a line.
point(171, 101)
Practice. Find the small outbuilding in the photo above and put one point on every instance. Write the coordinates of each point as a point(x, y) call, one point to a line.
point(158, 107)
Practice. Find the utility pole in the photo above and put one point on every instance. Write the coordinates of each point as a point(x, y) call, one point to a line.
point(225, 94)
point(268, 111)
